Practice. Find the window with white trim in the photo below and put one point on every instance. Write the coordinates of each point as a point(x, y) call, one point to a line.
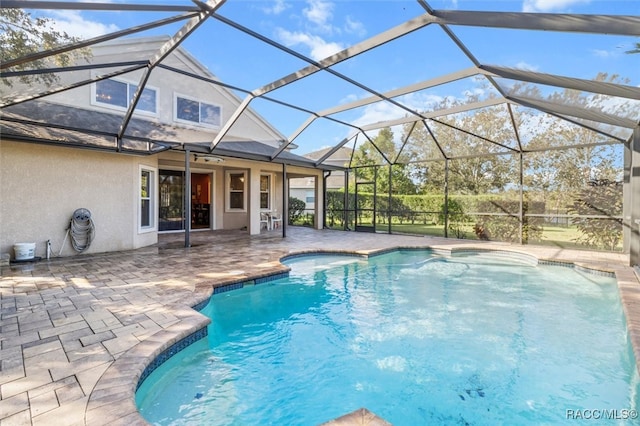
point(265, 192)
point(310, 197)
point(191, 110)
point(236, 193)
point(119, 94)
point(146, 211)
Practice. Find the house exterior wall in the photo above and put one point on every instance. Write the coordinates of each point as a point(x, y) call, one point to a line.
point(41, 186)
point(223, 218)
point(168, 85)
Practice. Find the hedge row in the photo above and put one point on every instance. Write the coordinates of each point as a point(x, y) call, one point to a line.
point(432, 203)
point(502, 225)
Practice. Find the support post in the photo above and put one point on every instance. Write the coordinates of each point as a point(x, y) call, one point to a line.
point(446, 198)
point(375, 195)
point(285, 200)
point(521, 214)
point(345, 203)
point(253, 206)
point(390, 198)
point(631, 198)
point(187, 199)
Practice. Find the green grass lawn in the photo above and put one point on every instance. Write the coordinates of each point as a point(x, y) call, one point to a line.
point(558, 236)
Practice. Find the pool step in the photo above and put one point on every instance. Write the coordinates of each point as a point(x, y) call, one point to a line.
point(361, 416)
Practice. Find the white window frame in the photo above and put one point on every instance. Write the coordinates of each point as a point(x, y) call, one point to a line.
point(228, 190)
point(269, 191)
point(152, 198)
point(200, 102)
point(129, 95)
point(310, 194)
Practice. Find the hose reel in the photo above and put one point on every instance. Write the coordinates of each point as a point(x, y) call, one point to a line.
point(82, 230)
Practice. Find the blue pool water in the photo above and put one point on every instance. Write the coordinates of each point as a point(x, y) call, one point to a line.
point(416, 338)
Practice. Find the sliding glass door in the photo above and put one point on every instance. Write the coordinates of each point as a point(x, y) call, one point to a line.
point(172, 211)
point(171, 200)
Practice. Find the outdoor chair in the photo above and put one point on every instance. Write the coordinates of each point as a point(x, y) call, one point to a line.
point(264, 220)
point(276, 220)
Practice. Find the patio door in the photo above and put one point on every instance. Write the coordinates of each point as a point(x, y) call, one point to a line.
point(171, 200)
point(172, 209)
point(200, 201)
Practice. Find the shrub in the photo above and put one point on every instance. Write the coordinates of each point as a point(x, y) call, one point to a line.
point(296, 209)
point(507, 227)
point(457, 217)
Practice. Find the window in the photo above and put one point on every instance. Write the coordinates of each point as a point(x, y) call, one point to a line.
point(119, 94)
point(147, 199)
point(265, 192)
point(310, 197)
point(194, 111)
point(236, 192)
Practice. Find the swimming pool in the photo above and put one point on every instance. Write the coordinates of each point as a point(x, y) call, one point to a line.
point(414, 337)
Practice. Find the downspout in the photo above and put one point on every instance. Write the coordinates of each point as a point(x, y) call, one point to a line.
point(324, 197)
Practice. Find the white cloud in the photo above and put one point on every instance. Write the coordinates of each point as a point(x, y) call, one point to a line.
point(318, 47)
point(316, 27)
point(385, 111)
point(550, 5)
point(354, 27)
point(276, 8)
point(602, 53)
point(351, 97)
point(71, 22)
point(320, 13)
point(526, 67)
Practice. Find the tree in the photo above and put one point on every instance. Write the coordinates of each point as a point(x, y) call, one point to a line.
point(600, 198)
point(477, 171)
point(369, 155)
point(22, 35)
point(556, 174)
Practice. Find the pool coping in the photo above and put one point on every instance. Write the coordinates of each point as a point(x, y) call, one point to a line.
point(120, 381)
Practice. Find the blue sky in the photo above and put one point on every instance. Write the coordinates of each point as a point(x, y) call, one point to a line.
point(319, 28)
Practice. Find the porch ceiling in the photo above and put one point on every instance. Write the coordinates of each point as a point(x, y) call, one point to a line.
point(294, 83)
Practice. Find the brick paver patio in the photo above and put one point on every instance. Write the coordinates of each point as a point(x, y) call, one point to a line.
point(76, 333)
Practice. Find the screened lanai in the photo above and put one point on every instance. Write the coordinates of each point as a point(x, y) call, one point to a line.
point(481, 120)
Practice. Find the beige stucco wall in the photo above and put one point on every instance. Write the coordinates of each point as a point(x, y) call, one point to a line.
point(41, 186)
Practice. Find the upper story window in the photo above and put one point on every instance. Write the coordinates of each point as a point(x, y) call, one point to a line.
point(193, 111)
point(119, 94)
